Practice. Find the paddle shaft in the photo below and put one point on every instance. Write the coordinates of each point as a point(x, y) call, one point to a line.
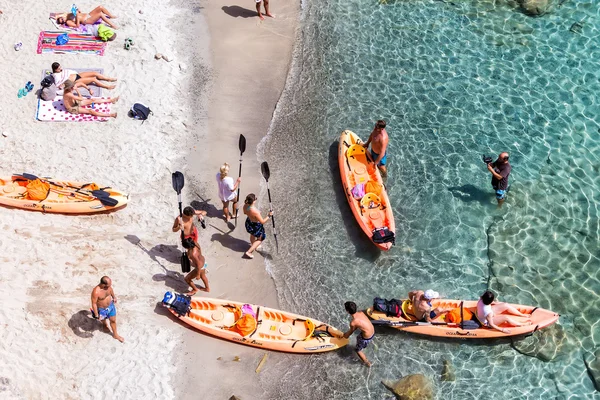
point(242, 147)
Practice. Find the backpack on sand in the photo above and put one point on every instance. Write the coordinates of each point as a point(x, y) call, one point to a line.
point(140, 111)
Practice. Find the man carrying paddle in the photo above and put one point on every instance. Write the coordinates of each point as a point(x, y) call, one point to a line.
point(379, 142)
point(103, 305)
point(367, 332)
point(190, 243)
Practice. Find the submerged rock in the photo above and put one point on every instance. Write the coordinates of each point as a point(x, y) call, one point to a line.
point(592, 364)
point(448, 374)
point(546, 344)
point(535, 7)
point(411, 387)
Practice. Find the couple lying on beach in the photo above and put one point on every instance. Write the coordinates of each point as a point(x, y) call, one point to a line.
point(79, 18)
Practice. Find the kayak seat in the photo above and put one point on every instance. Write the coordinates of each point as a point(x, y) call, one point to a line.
point(370, 201)
point(357, 162)
point(407, 311)
point(310, 328)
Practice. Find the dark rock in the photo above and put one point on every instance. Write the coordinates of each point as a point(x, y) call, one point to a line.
point(546, 344)
point(411, 387)
point(448, 374)
point(592, 364)
point(535, 7)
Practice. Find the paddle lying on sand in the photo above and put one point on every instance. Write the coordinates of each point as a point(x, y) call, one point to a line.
point(101, 195)
point(178, 183)
point(264, 167)
point(242, 146)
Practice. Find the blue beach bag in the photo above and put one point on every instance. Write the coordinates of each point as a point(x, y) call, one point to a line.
point(62, 39)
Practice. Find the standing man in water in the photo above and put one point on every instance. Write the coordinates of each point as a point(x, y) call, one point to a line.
point(367, 332)
point(500, 170)
point(379, 142)
point(103, 305)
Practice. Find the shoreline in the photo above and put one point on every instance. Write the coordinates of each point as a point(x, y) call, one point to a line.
point(243, 94)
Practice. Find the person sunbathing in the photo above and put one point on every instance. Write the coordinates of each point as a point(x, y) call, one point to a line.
point(492, 314)
point(75, 103)
point(79, 79)
point(75, 20)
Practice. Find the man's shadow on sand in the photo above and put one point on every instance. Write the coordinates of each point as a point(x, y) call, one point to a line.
point(237, 11)
point(171, 253)
point(83, 325)
point(469, 193)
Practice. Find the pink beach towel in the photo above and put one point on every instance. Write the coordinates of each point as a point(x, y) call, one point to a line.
point(55, 111)
point(78, 43)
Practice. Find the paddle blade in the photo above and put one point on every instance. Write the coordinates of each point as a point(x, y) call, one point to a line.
point(178, 181)
point(29, 176)
point(264, 167)
point(242, 144)
point(108, 201)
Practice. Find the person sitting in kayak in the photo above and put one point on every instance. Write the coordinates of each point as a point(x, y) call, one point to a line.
point(490, 313)
point(194, 252)
point(254, 224)
point(379, 142)
point(421, 304)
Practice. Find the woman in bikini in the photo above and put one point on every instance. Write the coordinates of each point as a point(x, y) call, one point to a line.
point(190, 243)
point(73, 21)
point(254, 224)
point(75, 103)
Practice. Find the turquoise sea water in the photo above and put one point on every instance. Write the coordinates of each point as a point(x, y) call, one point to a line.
point(453, 79)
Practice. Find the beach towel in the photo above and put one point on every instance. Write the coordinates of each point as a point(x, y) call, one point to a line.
point(64, 27)
point(55, 111)
point(78, 43)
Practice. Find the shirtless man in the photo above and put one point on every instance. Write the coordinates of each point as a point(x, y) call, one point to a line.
point(379, 142)
point(367, 332)
point(421, 303)
point(103, 305)
point(194, 252)
point(79, 78)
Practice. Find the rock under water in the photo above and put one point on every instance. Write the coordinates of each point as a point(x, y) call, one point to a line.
point(411, 387)
point(448, 374)
point(592, 364)
point(546, 344)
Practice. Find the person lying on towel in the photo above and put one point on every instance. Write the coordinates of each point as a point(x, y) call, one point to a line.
point(75, 103)
point(81, 18)
point(79, 78)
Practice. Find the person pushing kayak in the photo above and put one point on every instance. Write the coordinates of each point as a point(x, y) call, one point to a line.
point(422, 308)
point(367, 331)
point(379, 142)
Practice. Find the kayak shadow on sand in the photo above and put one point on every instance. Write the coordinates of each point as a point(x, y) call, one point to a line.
point(365, 249)
point(83, 325)
point(170, 253)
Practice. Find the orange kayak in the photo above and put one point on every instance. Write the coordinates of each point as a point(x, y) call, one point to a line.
point(50, 195)
point(365, 191)
point(254, 325)
point(540, 318)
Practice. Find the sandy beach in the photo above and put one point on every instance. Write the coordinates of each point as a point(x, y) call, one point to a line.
point(227, 72)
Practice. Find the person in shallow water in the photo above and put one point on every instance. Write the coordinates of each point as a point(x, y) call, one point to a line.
point(194, 252)
point(379, 142)
point(422, 308)
point(367, 331)
point(500, 170)
point(490, 313)
point(103, 305)
point(254, 224)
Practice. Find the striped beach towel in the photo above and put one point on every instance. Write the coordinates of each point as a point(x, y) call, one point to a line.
point(78, 43)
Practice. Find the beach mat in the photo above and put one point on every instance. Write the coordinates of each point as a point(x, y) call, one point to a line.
point(78, 43)
point(55, 111)
point(64, 27)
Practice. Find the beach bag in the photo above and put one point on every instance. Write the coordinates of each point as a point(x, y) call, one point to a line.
point(48, 93)
point(62, 39)
point(454, 315)
point(383, 235)
point(140, 111)
point(37, 190)
point(391, 308)
point(358, 191)
point(180, 303)
point(373, 187)
point(185, 263)
point(47, 81)
point(105, 33)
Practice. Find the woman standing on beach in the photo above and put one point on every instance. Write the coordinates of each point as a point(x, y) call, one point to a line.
point(227, 190)
point(254, 224)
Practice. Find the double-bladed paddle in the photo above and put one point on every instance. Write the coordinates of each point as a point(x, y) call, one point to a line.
point(264, 167)
point(402, 324)
point(242, 146)
point(101, 195)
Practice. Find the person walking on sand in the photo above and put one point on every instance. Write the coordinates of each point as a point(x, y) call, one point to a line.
point(367, 331)
point(267, 13)
point(103, 306)
point(500, 170)
point(254, 224)
point(194, 252)
point(75, 103)
point(227, 189)
point(379, 142)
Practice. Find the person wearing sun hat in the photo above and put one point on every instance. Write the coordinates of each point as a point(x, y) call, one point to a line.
point(422, 307)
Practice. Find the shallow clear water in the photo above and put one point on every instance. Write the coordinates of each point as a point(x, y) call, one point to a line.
point(453, 80)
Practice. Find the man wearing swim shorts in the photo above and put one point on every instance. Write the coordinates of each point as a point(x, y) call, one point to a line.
point(379, 142)
point(103, 306)
point(500, 170)
point(367, 331)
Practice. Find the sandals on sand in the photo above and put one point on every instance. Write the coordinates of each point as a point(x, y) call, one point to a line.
point(128, 43)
